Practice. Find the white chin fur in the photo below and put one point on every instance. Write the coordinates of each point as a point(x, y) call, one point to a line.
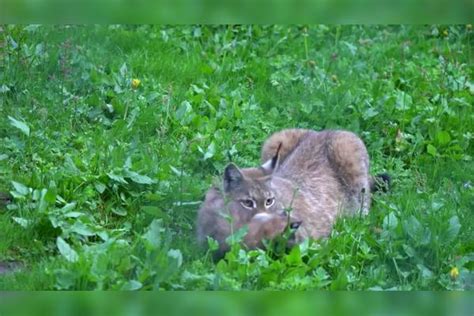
point(262, 217)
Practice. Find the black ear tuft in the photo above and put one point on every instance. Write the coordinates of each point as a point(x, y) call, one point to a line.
point(276, 158)
point(295, 225)
point(232, 177)
point(272, 164)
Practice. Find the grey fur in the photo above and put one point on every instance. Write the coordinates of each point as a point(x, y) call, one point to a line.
point(317, 175)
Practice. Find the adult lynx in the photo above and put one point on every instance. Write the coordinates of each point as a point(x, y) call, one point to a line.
point(317, 175)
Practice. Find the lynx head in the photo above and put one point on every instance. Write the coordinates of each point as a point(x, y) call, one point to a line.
point(249, 191)
point(252, 200)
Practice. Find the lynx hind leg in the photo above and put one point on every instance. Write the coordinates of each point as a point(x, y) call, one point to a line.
point(348, 155)
point(288, 138)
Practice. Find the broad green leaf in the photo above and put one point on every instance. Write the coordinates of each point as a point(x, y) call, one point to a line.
point(66, 250)
point(36, 195)
point(123, 70)
point(65, 279)
point(132, 285)
point(413, 226)
point(294, 257)
point(15, 195)
point(196, 89)
point(22, 126)
point(443, 137)
point(70, 166)
point(32, 28)
point(237, 236)
point(138, 178)
point(82, 229)
point(39, 49)
point(390, 221)
point(103, 235)
point(152, 96)
point(352, 48)
point(369, 113)
point(128, 163)
point(409, 251)
point(68, 207)
point(73, 214)
point(22, 221)
point(50, 195)
point(20, 188)
point(117, 178)
point(120, 211)
point(176, 255)
point(425, 272)
point(4, 88)
point(416, 231)
point(177, 171)
point(212, 244)
point(100, 187)
point(152, 210)
point(431, 150)
point(403, 100)
point(453, 229)
point(43, 204)
point(340, 281)
point(13, 44)
point(183, 109)
point(306, 107)
point(55, 219)
point(211, 150)
point(153, 234)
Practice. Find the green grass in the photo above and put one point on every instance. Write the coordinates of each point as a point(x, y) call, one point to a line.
point(107, 179)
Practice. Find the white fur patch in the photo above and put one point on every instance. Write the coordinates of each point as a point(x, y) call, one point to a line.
point(267, 165)
point(263, 217)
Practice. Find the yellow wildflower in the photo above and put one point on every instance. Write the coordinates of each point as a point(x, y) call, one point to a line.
point(454, 273)
point(445, 33)
point(135, 83)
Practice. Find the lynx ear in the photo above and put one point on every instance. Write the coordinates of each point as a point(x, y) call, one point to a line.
point(272, 164)
point(232, 177)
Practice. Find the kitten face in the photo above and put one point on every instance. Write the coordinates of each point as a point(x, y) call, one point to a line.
point(249, 192)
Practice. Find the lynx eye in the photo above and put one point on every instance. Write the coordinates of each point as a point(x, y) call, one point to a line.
point(248, 203)
point(269, 202)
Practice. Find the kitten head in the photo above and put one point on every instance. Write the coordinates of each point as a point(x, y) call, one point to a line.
point(248, 191)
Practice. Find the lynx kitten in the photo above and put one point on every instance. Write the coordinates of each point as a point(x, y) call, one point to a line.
point(317, 175)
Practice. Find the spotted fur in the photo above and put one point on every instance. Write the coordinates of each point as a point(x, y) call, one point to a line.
point(318, 176)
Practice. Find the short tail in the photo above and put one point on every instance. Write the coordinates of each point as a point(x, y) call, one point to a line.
point(381, 182)
point(5, 199)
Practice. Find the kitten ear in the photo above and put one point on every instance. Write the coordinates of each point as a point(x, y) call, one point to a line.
point(272, 164)
point(232, 177)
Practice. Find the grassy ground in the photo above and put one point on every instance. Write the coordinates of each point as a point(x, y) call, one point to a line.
point(106, 177)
